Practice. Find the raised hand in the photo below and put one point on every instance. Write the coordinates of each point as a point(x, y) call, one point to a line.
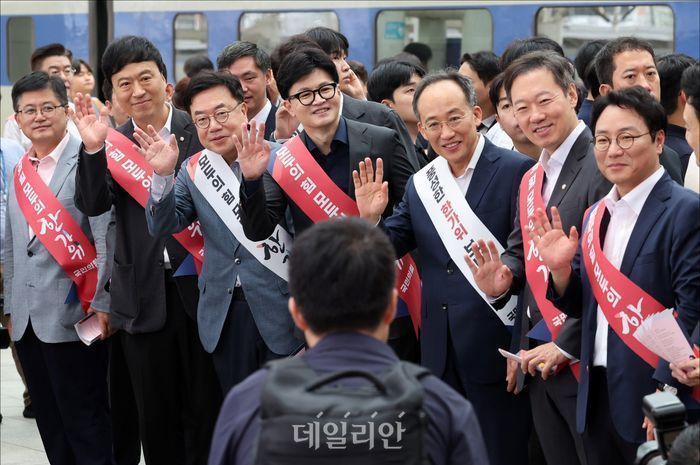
point(371, 192)
point(253, 150)
point(160, 154)
point(92, 127)
point(556, 249)
point(285, 123)
point(491, 275)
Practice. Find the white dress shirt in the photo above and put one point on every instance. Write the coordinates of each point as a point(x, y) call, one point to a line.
point(624, 213)
point(262, 115)
point(692, 176)
point(499, 137)
point(553, 163)
point(465, 178)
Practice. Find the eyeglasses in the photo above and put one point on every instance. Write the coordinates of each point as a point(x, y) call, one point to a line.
point(221, 116)
point(67, 71)
point(624, 140)
point(307, 97)
point(46, 110)
point(452, 122)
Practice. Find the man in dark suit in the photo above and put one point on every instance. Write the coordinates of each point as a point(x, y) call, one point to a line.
point(541, 87)
point(627, 62)
point(649, 235)
point(457, 323)
point(158, 366)
point(251, 65)
point(308, 82)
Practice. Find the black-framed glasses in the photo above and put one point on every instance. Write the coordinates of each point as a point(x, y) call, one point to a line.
point(452, 122)
point(46, 110)
point(221, 116)
point(307, 97)
point(624, 140)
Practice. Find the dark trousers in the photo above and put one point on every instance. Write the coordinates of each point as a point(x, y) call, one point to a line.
point(402, 338)
point(68, 387)
point(241, 349)
point(504, 418)
point(602, 442)
point(553, 405)
point(170, 380)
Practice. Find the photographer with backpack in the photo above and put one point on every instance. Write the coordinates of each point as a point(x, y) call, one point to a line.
point(348, 399)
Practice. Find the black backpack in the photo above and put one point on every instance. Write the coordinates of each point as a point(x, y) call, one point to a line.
point(310, 419)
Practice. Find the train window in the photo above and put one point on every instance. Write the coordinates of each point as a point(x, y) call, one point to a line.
point(573, 26)
point(449, 33)
point(20, 45)
point(268, 30)
point(191, 37)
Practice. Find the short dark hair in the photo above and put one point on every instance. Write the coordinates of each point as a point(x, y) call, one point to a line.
point(485, 64)
point(560, 67)
point(402, 56)
point(686, 447)
point(520, 47)
point(585, 65)
point(359, 70)
point(39, 80)
point(388, 77)
point(50, 50)
point(419, 49)
point(107, 89)
point(301, 63)
point(295, 42)
point(197, 63)
point(604, 59)
point(78, 62)
point(690, 83)
point(342, 275)
point(670, 68)
point(242, 49)
point(127, 50)
point(495, 89)
point(206, 80)
point(463, 82)
point(329, 40)
point(635, 99)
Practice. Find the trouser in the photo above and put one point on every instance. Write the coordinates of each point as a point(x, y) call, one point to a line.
point(26, 399)
point(68, 386)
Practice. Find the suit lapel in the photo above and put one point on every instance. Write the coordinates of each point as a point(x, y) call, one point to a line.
point(66, 161)
point(179, 127)
point(651, 211)
point(359, 148)
point(483, 174)
point(351, 109)
point(571, 168)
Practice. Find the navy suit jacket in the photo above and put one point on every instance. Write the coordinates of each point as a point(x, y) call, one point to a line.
point(270, 122)
point(448, 300)
point(662, 258)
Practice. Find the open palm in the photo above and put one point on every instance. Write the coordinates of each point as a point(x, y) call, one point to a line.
point(371, 192)
point(253, 150)
point(555, 247)
point(491, 275)
point(92, 127)
point(160, 154)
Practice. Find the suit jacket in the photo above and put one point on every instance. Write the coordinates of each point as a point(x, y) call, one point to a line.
point(36, 286)
point(579, 185)
point(662, 258)
point(270, 122)
point(671, 162)
point(447, 296)
point(377, 114)
point(138, 286)
point(224, 259)
point(263, 208)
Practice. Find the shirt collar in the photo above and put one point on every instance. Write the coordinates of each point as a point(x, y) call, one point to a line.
point(475, 157)
point(489, 121)
point(558, 157)
point(262, 115)
point(341, 135)
point(55, 154)
point(166, 130)
point(635, 198)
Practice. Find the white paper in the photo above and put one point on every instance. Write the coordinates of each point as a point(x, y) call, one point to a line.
point(88, 329)
point(661, 334)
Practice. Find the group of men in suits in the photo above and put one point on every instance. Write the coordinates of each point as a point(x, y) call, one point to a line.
point(217, 176)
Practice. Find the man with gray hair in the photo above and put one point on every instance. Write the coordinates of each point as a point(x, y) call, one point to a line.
point(251, 65)
point(470, 188)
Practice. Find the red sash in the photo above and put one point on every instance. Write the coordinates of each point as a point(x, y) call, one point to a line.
point(57, 230)
point(536, 272)
point(305, 182)
point(624, 304)
point(133, 173)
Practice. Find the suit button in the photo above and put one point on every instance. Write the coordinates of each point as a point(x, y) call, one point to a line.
point(450, 270)
point(30, 253)
point(237, 261)
point(229, 290)
point(444, 306)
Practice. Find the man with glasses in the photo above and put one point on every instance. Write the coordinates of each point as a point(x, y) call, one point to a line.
point(242, 316)
point(55, 60)
point(471, 186)
point(637, 257)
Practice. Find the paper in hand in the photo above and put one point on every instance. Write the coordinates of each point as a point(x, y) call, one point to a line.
point(661, 334)
point(88, 329)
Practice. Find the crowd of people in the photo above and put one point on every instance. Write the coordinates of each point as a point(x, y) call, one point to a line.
point(521, 219)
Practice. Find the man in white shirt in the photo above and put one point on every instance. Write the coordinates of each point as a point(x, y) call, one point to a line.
point(652, 236)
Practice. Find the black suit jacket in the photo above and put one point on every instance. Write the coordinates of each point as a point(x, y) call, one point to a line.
point(264, 207)
point(377, 114)
point(579, 185)
point(671, 162)
point(270, 122)
point(137, 287)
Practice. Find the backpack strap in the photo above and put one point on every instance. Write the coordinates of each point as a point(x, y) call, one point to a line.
point(414, 370)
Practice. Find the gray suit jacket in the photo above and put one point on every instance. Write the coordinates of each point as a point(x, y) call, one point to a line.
point(36, 286)
point(224, 258)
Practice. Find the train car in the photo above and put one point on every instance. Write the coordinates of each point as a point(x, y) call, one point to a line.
point(375, 29)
